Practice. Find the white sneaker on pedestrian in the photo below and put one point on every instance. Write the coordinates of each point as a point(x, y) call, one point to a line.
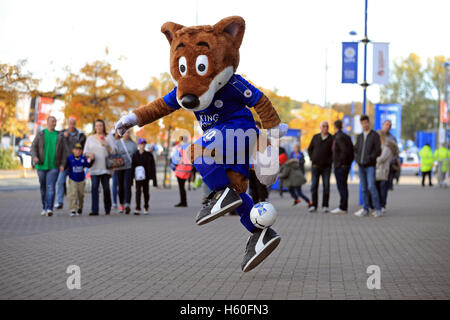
point(49, 213)
point(377, 213)
point(361, 212)
point(73, 214)
point(325, 210)
point(312, 209)
point(383, 210)
point(145, 212)
point(43, 213)
point(338, 211)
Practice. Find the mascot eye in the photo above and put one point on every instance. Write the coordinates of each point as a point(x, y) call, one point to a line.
point(202, 64)
point(182, 65)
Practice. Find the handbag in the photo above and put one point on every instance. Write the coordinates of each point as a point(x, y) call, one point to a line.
point(114, 161)
point(381, 174)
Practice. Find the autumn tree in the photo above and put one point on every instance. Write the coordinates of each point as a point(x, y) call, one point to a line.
point(436, 72)
point(97, 91)
point(308, 119)
point(408, 86)
point(13, 82)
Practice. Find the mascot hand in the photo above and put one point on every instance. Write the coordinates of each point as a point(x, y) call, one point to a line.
point(125, 123)
point(278, 131)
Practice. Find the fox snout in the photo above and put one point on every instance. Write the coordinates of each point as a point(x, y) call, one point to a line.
point(190, 101)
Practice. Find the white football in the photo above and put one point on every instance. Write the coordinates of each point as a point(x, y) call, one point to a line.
point(263, 215)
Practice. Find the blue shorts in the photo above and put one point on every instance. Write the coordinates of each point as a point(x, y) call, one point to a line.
point(234, 141)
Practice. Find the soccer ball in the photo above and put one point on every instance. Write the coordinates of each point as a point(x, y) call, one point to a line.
point(263, 215)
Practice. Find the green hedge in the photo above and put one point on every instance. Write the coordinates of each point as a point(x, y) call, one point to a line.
point(6, 161)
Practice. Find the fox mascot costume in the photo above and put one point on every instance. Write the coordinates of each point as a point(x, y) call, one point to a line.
point(203, 62)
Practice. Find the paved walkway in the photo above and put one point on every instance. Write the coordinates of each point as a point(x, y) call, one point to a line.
point(167, 256)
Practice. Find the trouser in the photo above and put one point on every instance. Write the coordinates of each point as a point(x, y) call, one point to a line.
point(341, 174)
point(316, 172)
point(104, 180)
point(258, 191)
point(424, 174)
point(114, 186)
point(367, 181)
point(47, 181)
point(383, 189)
point(297, 192)
point(181, 183)
point(125, 180)
point(76, 192)
point(62, 177)
point(143, 186)
point(441, 174)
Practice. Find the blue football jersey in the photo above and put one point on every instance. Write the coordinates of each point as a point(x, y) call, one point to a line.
point(228, 103)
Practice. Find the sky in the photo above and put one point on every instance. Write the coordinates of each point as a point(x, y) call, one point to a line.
point(286, 43)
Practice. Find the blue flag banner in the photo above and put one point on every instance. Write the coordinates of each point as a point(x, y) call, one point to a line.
point(392, 112)
point(346, 124)
point(349, 62)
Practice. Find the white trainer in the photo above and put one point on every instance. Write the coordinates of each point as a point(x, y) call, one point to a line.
point(377, 213)
point(43, 213)
point(361, 212)
point(312, 209)
point(338, 211)
point(325, 209)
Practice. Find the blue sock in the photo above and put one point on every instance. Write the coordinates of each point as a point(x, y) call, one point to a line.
point(244, 211)
point(214, 175)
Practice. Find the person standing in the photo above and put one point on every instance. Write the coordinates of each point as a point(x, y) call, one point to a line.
point(126, 147)
point(101, 145)
point(70, 137)
point(388, 150)
point(442, 156)
point(343, 156)
point(144, 169)
point(426, 163)
point(321, 154)
point(43, 153)
point(367, 149)
point(394, 166)
point(182, 167)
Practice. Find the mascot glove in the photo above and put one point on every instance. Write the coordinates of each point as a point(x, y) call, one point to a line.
point(278, 131)
point(125, 123)
point(267, 165)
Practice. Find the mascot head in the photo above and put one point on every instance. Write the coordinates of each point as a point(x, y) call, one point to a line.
point(203, 59)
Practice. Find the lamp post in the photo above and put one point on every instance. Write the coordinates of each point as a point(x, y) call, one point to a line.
point(365, 40)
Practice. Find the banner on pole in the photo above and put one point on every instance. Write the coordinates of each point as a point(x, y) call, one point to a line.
point(380, 62)
point(349, 62)
point(392, 112)
point(444, 112)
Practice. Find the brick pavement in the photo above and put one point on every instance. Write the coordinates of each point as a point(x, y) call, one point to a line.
point(166, 256)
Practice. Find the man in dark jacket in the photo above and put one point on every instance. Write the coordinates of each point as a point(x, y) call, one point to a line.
point(144, 169)
point(321, 154)
point(70, 137)
point(342, 159)
point(367, 149)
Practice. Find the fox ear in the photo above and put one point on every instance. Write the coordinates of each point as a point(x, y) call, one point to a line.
point(169, 29)
point(233, 26)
